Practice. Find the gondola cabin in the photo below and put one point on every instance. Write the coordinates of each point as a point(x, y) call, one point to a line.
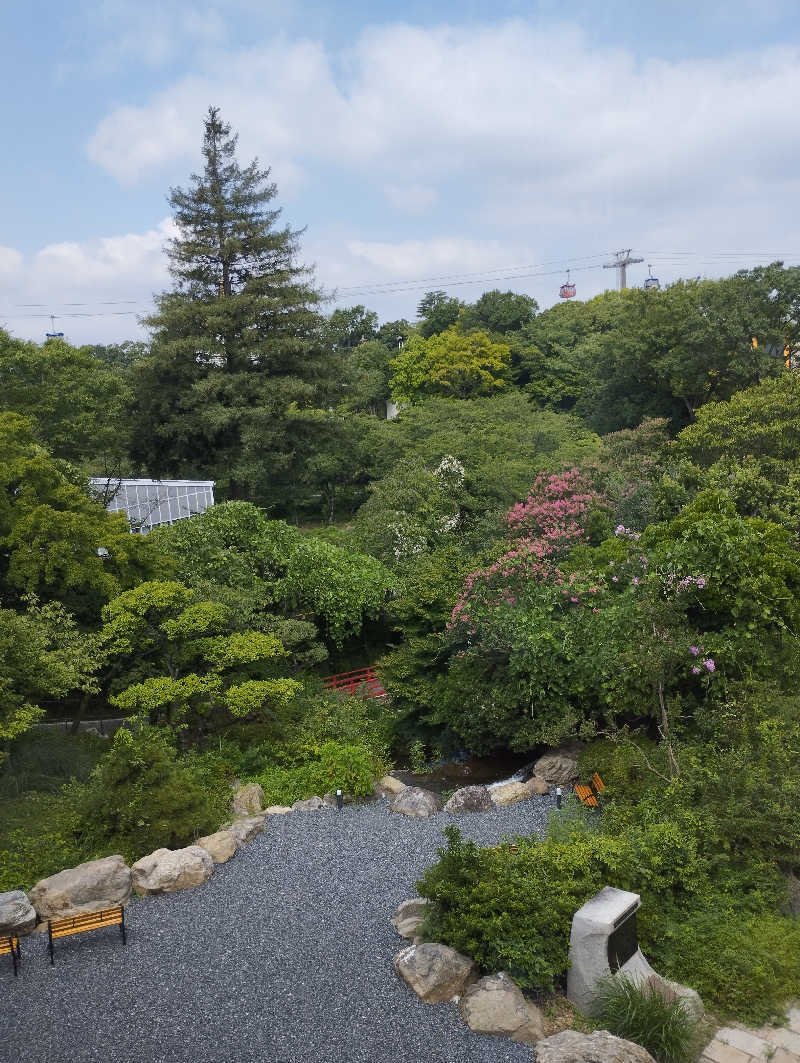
point(651, 283)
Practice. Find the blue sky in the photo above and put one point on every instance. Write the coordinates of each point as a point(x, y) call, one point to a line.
point(485, 144)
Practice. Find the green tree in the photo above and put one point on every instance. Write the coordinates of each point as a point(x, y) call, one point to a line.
point(43, 655)
point(547, 353)
point(348, 326)
point(294, 575)
point(669, 352)
point(502, 441)
point(501, 312)
point(236, 346)
point(365, 378)
point(56, 541)
point(437, 311)
point(450, 363)
point(194, 670)
point(747, 447)
point(75, 402)
point(121, 355)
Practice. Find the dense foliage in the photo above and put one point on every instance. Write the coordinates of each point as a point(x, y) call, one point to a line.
point(522, 578)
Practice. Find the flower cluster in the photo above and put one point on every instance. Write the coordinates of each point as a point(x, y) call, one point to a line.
point(700, 582)
point(554, 511)
point(450, 471)
point(625, 533)
point(707, 662)
point(495, 585)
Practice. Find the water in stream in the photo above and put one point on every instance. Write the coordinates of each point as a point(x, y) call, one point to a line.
point(471, 771)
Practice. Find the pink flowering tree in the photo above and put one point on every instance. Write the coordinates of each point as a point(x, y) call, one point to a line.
point(643, 628)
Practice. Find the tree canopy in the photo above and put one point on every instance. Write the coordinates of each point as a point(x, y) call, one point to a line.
point(236, 348)
point(454, 363)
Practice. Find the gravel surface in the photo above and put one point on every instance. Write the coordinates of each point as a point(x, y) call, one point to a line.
point(283, 957)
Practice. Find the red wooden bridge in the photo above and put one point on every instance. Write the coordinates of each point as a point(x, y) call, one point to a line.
point(362, 679)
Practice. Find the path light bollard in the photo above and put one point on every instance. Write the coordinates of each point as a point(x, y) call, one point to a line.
point(558, 797)
point(339, 800)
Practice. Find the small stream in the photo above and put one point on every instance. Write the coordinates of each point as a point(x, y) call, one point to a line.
point(470, 771)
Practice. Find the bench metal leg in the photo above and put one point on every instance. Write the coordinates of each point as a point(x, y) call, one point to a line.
point(50, 936)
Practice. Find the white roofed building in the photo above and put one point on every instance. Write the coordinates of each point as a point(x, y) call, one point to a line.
point(149, 503)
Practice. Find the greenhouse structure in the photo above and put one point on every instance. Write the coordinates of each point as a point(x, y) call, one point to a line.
point(149, 503)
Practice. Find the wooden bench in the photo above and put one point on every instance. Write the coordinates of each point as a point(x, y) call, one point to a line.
point(77, 924)
point(11, 944)
point(587, 795)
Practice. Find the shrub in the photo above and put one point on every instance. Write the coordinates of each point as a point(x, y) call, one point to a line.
point(639, 1013)
point(39, 836)
point(43, 760)
point(513, 911)
point(142, 796)
point(351, 768)
point(704, 920)
point(746, 966)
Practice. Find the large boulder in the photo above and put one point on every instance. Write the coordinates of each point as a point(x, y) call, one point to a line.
point(220, 846)
point(311, 804)
point(388, 786)
point(415, 802)
point(168, 870)
point(559, 767)
point(244, 830)
point(88, 887)
point(248, 800)
point(17, 914)
point(434, 972)
point(409, 916)
point(508, 793)
point(496, 1005)
point(536, 785)
point(470, 799)
point(569, 1046)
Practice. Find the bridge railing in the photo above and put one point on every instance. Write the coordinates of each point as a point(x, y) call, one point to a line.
point(365, 679)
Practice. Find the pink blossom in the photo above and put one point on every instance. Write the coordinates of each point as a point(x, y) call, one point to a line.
point(635, 581)
point(709, 664)
point(614, 579)
point(694, 651)
point(695, 670)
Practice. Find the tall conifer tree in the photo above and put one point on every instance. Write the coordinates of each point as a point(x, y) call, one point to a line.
point(236, 354)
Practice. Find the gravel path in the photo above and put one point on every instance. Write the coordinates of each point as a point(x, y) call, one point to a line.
point(283, 957)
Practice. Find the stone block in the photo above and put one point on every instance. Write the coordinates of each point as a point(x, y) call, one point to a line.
point(744, 1040)
point(718, 1052)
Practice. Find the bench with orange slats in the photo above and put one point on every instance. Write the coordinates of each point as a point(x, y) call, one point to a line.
point(586, 794)
point(77, 924)
point(11, 944)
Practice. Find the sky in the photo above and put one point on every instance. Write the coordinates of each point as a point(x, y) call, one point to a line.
point(457, 146)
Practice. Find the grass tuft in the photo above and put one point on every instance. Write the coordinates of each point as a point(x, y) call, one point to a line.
point(639, 1013)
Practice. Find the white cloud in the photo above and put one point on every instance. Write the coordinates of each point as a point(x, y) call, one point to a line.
point(97, 289)
point(411, 198)
point(417, 258)
point(497, 111)
point(10, 262)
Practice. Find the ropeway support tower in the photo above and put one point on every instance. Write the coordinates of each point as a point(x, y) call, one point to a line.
point(622, 259)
